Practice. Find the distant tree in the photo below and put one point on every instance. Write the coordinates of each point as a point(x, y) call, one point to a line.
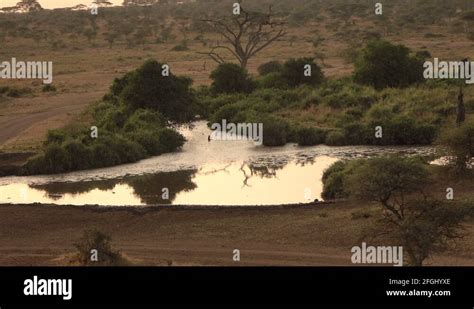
point(245, 35)
point(382, 64)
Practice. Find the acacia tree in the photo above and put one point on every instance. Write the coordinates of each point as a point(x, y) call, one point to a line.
point(424, 226)
point(245, 34)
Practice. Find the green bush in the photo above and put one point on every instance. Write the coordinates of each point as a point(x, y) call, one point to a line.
point(275, 132)
point(333, 181)
point(148, 88)
point(80, 156)
point(269, 68)
point(55, 136)
point(56, 159)
point(310, 136)
point(382, 178)
point(149, 140)
point(144, 119)
point(357, 133)
point(170, 140)
point(272, 80)
point(293, 72)
point(459, 144)
point(228, 112)
point(335, 138)
point(403, 130)
point(230, 78)
point(383, 64)
point(104, 156)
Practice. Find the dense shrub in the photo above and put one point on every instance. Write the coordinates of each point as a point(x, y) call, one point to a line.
point(336, 138)
point(230, 78)
point(270, 67)
point(351, 96)
point(272, 80)
point(55, 136)
point(333, 186)
point(143, 119)
point(275, 132)
point(403, 130)
point(310, 136)
point(374, 179)
point(80, 155)
point(293, 72)
point(106, 254)
point(121, 139)
point(356, 133)
point(170, 140)
point(409, 116)
point(459, 144)
point(383, 64)
point(381, 178)
point(148, 88)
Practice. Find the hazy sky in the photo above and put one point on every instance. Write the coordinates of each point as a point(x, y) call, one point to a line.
point(49, 4)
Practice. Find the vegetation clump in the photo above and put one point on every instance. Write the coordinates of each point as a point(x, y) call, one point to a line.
point(129, 125)
point(421, 224)
point(95, 249)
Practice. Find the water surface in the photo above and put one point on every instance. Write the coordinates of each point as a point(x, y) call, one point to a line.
point(203, 173)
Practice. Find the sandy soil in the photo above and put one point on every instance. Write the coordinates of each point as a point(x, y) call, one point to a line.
point(313, 235)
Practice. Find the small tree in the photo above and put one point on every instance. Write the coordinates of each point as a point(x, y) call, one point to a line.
point(421, 225)
point(387, 180)
point(429, 226)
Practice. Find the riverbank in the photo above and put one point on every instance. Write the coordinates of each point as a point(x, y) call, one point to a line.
point(318, 234)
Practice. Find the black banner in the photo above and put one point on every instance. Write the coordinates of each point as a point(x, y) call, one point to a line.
point(433, 287)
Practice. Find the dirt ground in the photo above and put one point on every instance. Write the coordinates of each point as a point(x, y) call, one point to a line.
point(185, 236)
